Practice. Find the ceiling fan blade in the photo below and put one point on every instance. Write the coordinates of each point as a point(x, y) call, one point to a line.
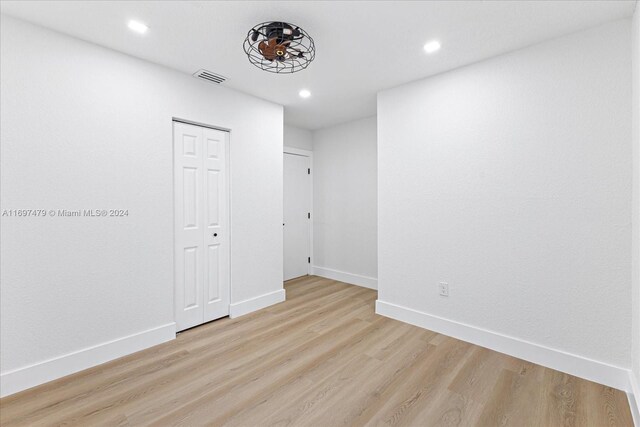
point(268, 50)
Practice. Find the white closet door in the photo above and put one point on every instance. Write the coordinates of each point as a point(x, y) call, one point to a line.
point(297, 207)
point(201, 225)
point(216, 236)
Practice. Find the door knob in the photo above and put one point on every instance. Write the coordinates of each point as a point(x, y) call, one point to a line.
point(215, 234)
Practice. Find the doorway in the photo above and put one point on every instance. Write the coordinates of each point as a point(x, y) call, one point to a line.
point(297, 219)
point(201, 212)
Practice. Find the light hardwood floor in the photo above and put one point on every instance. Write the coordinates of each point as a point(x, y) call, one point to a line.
point(322, 358)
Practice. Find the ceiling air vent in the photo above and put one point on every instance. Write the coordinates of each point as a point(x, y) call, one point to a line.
point(209, 76)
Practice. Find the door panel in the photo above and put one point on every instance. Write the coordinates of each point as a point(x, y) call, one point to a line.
point(190, 192)
point(213, 280)
point(189, 237)
point(297, 207)
point(191, 282)
point(213, 205)
point(201, 225)
point(217, 272)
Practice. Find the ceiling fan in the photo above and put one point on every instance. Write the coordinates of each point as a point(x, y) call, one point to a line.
point(279, 47)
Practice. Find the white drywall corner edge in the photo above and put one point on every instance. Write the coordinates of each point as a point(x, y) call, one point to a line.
point(634, 398)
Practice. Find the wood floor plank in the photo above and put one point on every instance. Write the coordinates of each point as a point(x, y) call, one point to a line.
point(515, 401)
point(322, 358)
point(560, 406)
point(450, 409)
point(601, 405)
point(278, 370)
point(419, 387)
point(362, 391)
point(478, 376)
point(302, 400)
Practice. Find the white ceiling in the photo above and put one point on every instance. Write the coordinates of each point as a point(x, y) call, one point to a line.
point(362, 47)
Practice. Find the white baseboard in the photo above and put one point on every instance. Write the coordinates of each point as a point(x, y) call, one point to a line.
point(603, 373)
point(342, 276)
point(247, 306)
point(634, 398)
point(39, 373)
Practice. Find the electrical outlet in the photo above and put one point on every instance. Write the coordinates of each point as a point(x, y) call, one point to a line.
point(443, 289)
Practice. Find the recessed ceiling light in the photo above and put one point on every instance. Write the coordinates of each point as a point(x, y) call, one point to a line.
point(304, 93)
point(432, 46)
point(138, 27)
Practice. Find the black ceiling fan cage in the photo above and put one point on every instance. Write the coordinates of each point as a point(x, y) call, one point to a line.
point(279, 47)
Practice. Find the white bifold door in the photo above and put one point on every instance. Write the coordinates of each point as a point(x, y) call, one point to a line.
point(297, 215)
point(201, 203)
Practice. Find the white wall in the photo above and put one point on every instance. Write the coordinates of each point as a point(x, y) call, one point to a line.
point(510, 179)
point(298, 138)
point(636, 203)
point(345, 202)
point(87, 127)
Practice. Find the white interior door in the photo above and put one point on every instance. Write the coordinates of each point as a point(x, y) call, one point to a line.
point(297, 211)
point(202, 274)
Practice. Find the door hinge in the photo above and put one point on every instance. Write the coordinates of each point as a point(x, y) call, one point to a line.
point(309, 260)
point(309, 171)
point(309, 215)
